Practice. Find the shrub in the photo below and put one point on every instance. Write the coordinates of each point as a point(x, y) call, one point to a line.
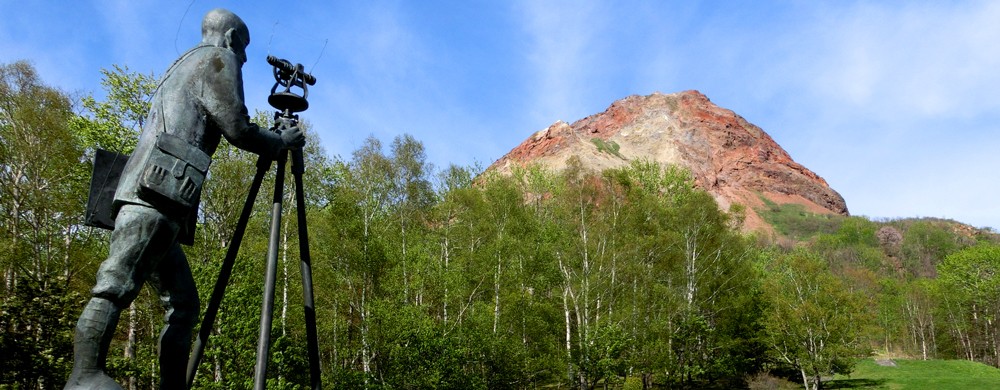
point(610, 147)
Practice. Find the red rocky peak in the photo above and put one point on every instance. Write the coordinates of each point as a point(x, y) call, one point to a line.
point(731, 158)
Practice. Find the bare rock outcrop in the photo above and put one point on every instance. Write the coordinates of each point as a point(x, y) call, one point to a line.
point(734, 160)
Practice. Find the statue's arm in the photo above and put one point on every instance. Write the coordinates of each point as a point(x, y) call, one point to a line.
point(224, 103)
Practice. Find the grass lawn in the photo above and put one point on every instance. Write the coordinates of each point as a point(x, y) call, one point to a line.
point(918, 374)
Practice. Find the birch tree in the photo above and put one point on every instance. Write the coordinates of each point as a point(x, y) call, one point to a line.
point(969, 286)
point(413, 195)
point(814, 324)
point(43, 245)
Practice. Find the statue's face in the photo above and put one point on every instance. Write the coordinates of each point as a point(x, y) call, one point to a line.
point(239, 43)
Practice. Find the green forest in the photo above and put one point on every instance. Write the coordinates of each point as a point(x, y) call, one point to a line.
point(451, 277)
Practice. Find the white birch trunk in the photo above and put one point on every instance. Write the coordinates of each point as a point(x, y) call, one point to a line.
point(569, 344)
point(130, 346)
point(217, 370)
point(444, 304)
point(284, 278)
point(365, 348)
point(496, 296)
point(406, 276)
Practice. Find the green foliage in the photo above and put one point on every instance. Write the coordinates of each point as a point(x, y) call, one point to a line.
point(972, 273)
point(42, 245)
point(853, 244)
point(41, 176)
point(857, 231)
point(632, 383)
point(605, 360)
point(115, 124)
point(814, 323)
point(673, 274)
point(416, 351)
point(289, 363)
point(610, 147)
point(230, 351)
point(793, 221)
point(927, 242)
point(36, 333)
point(968, 286)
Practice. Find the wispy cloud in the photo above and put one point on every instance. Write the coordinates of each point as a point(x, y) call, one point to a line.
point(562, 54)
point(383, 77)
point(384, 71)
point(903, 103)
point(924, 59)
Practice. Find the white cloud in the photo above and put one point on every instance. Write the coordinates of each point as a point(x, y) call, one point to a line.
point(906, 105)
point(382, 77)
point(563, 55)
point(924, 60)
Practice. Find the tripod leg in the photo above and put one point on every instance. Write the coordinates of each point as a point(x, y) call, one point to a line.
point(306, 267)
point(267, 307)
point(208, 321)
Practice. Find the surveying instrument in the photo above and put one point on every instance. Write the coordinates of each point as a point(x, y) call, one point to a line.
point(287, 103)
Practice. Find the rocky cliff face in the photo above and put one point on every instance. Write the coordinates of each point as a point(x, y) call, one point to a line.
point(731, 158)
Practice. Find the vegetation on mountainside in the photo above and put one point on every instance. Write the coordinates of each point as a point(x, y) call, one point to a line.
point(793, 221)
point(610, 147)
point(629, 277)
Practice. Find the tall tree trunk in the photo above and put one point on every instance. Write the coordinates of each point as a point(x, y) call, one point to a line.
point(130, 346)
point(933, 333)
point(336, 333)
point(67, 244)
point(284, 278)
point(496, 278)
point(216, 369)
point(691, 242)
point(569, 345)
point(216, 362)
point(496, 295)
point(365, 348)
point(446, 254)
point(406, 276)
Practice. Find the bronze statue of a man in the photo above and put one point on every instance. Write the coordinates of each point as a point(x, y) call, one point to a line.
point(199, 101)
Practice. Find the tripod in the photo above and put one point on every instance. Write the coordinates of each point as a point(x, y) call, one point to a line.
point(287, 103)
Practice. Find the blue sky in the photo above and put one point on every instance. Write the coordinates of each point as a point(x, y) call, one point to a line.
point(896, 103)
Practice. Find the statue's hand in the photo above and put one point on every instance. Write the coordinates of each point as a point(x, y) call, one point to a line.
point(292, 138)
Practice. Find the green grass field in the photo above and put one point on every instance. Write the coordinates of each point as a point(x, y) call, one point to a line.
point(918, 374)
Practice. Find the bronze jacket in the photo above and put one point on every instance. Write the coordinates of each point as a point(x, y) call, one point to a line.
point(199, 100)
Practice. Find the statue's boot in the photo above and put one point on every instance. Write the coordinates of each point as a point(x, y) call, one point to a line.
point(174, 350)
point(94, 332)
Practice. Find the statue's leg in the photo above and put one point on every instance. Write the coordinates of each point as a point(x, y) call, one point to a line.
point(179, 297)
point(141, 237)
point(94, 332)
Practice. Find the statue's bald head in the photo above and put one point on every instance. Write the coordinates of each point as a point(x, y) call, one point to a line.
point(222, 28)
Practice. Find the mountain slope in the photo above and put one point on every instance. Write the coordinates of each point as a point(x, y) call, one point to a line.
point(734, 160)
